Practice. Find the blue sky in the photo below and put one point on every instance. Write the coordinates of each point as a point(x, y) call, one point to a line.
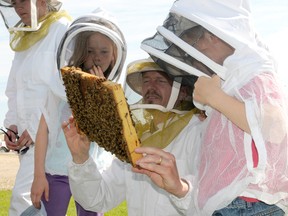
point(139, 19)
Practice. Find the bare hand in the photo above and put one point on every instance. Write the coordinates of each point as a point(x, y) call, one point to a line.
point(40, 185)
point(15, 142)
point(160, 167)
point(205, 89)
point(11, 141)
point(79, 145)
point(96, 70)
point(25, 140)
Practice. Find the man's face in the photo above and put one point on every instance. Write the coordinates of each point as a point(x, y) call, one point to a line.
point(156, 88)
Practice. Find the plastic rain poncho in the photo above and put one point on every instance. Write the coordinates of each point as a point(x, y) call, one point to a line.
point(228, 168)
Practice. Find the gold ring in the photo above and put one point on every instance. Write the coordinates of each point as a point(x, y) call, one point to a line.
point(160, 160)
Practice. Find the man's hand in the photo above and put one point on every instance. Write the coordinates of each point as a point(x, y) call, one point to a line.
point(160, 167)
point(79, 145)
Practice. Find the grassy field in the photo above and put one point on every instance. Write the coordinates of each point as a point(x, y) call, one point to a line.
point(5, 195)
point(8, 169)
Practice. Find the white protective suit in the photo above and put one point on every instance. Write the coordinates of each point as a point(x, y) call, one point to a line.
point(101, 193)
point(228, 168)
point(32, 75)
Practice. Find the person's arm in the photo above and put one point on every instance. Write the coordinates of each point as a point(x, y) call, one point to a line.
point(95, 191)
point(164, 174)
point(91, 189)
point(10, 120)
point(160, 167)
point(40, 184)
point(208, 91)
point(11, 94)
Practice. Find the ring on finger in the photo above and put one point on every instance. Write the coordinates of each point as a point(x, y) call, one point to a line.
point(160, 160)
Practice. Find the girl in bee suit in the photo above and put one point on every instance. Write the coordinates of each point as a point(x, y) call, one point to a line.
point(94, 43)
point(36, 28)
point(243, 156)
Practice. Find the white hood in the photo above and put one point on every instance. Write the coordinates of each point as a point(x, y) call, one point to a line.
point(97, 21)
point(229, 20)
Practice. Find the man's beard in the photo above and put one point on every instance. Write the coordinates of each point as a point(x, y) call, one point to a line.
point(152, 93)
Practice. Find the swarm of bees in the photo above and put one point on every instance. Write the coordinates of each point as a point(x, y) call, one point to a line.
point(101, 112)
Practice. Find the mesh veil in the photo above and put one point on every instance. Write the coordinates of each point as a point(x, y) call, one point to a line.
point(12, 20)
point(98, 22)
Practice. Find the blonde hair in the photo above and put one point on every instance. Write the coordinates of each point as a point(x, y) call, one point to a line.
point(80, 51)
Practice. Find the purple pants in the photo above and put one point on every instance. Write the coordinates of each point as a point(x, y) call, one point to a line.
point(59, 198)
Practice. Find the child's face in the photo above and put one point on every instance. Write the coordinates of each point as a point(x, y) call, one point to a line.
point(100, 51)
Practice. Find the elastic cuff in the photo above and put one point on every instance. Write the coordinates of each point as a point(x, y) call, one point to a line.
point(83, 164)
point(183, 202)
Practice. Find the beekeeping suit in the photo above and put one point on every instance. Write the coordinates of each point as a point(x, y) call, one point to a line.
point(30, 80)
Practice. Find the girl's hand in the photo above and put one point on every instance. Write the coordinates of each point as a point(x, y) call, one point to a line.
point(40, 185)
point(96, 70)
point(206, 89)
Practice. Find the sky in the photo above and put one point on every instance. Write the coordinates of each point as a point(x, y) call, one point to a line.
point(139, 20)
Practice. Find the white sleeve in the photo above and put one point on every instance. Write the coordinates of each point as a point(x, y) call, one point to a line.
point(96, 192)
point(102, 158)
point(11, 93)
point(52, 77)
point(192, 138)
point(183, 203)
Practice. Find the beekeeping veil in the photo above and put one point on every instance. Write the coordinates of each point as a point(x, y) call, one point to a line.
point(176, 54)
point(98, 21)
point(12, 20)
point(134, 81)
point(158, 125)
point(23, 37)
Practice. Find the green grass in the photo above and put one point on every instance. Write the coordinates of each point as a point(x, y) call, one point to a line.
point(4, 202)
point(5, 195)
